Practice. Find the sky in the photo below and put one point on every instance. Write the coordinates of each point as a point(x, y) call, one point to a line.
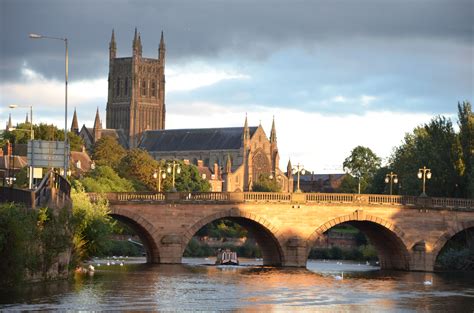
point(333, 74)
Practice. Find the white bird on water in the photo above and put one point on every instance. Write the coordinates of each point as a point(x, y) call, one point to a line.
point(339, 277)
point(428, 282)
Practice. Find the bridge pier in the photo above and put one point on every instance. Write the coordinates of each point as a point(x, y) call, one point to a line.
point(296, 253)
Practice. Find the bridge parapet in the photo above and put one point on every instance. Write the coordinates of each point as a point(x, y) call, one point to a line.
point(291, 198)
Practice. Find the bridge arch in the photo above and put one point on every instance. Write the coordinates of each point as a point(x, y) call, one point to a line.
point(388, 239)
point(265, 234)
point(144, 229)
point(447, 236)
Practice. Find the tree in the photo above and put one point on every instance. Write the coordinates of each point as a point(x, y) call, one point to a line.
point(266, 184)
point(435, 146)
point(466, 138)
point(107, 151)
point(105, 179)
point(362, 164)
point(138, 166)
point(188, 180)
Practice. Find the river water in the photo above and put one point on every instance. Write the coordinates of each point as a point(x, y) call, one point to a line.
point(249, 287)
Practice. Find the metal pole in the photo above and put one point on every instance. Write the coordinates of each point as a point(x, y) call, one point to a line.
point(32, 137)
point(65, 110)
point(424, 179)
point(159, 179)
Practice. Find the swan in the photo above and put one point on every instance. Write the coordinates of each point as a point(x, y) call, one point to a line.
point(341, 277)
point(121, 263)
point(428, 282)
point(108, 263)
point(91, 268)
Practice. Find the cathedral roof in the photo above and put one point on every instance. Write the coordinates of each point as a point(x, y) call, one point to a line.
point(119, 134)
point(229, 138)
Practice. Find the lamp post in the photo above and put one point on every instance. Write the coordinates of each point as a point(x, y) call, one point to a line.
point(297, 170)
point(391, 178)
point(32, 137)
point(424, 173)
point(173, 168)
point(36, 36)
point(159, 175)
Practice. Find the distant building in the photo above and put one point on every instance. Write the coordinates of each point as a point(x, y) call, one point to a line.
point(320, 182)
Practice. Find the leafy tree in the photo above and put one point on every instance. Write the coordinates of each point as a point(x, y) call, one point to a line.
point(266, 184)
point(188, 180)
point(138, 166)
point(362, 164)
point(349, 184)
point(93, 225)
point(105, 179)
point(435, 146)
point(107, 151)
point(466, 138)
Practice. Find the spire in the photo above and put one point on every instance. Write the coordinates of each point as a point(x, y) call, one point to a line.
point(246, 132)
point(112, 46)
point(161, 50)
point(75, 124)
point(273, 134)
point(139, 44)
point(9, 124)
point(135, 43)
point(228, 165)
point(26, 120)
point(289, 169)
point(97, 123)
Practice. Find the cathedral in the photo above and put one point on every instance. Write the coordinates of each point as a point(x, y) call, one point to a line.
point(234, 158)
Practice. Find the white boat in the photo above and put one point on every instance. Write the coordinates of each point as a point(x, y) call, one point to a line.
point(227, 257)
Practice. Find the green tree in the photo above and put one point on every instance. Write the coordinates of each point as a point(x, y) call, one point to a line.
point(138, 166)
point(466, 138)
point(93, 225)
point(362, 164)
point(435, 146)
point(188, 180)
point(107, 151)
point(266, 184)
point(105, 179)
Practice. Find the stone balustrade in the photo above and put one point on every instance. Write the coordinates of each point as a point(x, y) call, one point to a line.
point(300, 198)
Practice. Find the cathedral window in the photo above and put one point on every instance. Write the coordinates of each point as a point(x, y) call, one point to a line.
point(153, 88)
point(126, 86)
point(117, 87)
point(144, 88)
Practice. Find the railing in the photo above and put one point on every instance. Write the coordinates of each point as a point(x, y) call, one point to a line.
point(300, 198)
point(267, 196)
point(53, 190)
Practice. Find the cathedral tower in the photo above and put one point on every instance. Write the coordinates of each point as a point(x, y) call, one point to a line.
point(136, 94)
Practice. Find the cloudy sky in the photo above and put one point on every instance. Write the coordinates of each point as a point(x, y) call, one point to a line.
point(334, 74)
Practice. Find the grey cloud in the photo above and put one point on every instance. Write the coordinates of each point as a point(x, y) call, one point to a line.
point(212, 29)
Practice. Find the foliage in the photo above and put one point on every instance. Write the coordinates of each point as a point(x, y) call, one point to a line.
point(458, 252)
point(105, 179)
point(223, 228)
point(466, 139)
point(107, 151)
point(120, 247)
point(93, 225)
point(362, 164)
point(266, 184)
point(349, 184)
point(139, 166)
point(362, 253)
point(435, 146)
point(31, 241)
point(188, 180)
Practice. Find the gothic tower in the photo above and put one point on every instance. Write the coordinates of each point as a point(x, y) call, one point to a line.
point(136, 98)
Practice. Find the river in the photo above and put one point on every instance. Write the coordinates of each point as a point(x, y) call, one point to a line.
point(196, 286)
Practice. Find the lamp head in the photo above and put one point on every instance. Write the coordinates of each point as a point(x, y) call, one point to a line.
point(395, 180)
point(428, 175)
point(420, 175)
point(12, 106)
point(178, 170)
point(35, 36)
point(163, 175)
point(155, 175)
point(303, 171)
point(387, 180)
point(169, 169)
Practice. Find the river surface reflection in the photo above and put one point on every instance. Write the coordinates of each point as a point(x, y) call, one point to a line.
point(194, 286)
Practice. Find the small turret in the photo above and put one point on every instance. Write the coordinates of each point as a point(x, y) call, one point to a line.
point(228, 165)
point(97, 130)
point(26, 119)
point(245, 133)
point(289, 175)
point(75, 124)
point(273, 134)
point(136, 45)
point(9, 124)
point(112, 47)
point(162, 49)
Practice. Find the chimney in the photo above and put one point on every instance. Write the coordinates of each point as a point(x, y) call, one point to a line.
point(216, 170)
point(200, 163)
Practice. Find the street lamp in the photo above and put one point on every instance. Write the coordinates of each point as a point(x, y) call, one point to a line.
point(173, 168)
point(159, 174)
point(297, 170)
point(37, 36)
point(32, 137)
point(424, 173)
point(392, 179)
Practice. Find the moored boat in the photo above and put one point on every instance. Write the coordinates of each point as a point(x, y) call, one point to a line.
point(227, 257)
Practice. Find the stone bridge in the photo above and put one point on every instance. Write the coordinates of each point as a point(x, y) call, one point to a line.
point(408, 232)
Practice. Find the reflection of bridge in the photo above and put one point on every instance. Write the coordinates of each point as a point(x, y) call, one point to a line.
point(408, 232)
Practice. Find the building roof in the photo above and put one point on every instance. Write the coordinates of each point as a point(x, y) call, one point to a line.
point(202, 139)
point(118, 134)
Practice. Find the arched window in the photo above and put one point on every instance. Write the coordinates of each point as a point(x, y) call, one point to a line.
point(117, 87)
point(144, 88)
point(153, 88)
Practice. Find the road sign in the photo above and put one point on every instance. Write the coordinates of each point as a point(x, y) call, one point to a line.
point(42, 153)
